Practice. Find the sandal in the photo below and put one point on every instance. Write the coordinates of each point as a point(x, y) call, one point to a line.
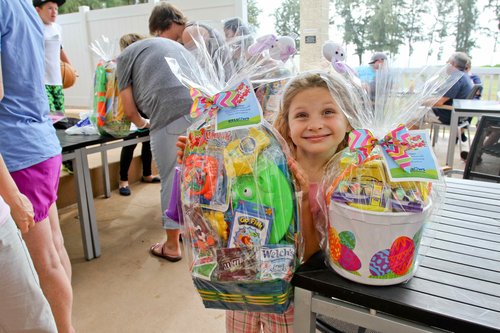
point(154, 251)
point(152, 180)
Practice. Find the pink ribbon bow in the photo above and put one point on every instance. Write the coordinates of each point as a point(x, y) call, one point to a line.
point(203, 103)
point(395, 143)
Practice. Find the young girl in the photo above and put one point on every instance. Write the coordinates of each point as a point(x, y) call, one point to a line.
point(312, 122)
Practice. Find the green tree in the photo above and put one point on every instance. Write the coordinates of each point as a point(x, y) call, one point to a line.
point(71, 6)
point(386, 26)
point(412, 19)
point(494, 33)
point(287, 19)
point(353, 17)
point(466, 23)
point(253, 13)
point(440, 29)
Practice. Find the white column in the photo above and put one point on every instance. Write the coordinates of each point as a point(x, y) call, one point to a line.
point(313, 32)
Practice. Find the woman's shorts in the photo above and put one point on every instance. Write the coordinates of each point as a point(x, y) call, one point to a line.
point(39, 183)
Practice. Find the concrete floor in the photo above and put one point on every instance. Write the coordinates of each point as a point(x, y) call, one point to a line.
point(127, 289)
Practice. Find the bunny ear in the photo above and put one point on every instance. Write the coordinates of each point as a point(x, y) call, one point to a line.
point(261, 44)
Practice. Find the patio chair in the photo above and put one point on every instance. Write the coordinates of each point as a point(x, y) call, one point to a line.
point(483, 160)
point(435, 126)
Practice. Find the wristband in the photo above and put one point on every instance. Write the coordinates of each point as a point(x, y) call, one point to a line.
point(145, 124)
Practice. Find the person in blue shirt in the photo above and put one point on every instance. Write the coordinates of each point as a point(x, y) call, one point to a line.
point(31, 150)
point(459, 90)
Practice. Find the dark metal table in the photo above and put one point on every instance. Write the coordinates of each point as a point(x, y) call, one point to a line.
point(467, 108)
point(77, 148)
point(456, 288)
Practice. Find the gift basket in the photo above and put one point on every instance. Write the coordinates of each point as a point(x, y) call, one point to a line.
point(238, 199)
point(382, 189)
point(108, 111)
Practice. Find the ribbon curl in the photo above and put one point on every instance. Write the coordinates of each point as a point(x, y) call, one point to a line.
point(395, 144)
point(203, 103)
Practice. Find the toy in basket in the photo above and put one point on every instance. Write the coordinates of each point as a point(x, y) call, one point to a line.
point(383, 188)
point(239, 216)
point(108, 112)
point(238, 199)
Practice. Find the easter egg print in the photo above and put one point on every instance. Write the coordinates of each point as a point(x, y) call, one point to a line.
point(379, 263)
point(347, 238)
point(401, 255)
point(334, 242)
point(418, 237)
point(348, 259)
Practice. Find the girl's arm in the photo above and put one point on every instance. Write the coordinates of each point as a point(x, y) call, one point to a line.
point(307, 227)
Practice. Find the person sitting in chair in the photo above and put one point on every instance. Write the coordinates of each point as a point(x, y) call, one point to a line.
point(459, 90)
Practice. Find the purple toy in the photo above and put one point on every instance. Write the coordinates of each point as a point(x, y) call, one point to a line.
point(174, 210)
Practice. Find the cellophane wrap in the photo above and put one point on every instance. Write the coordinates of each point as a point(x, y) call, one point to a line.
point(108, 115)
point(240, 215)
point(381, 191)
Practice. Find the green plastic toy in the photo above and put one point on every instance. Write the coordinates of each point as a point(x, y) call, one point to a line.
point(268, 187)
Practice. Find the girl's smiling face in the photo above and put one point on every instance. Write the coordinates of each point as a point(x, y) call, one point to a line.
point(317, 125)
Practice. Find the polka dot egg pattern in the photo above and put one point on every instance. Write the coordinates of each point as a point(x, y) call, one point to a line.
point(334, 243)
point(379, 263)
point(401, 255)
point(347, 238)
point(348, 259)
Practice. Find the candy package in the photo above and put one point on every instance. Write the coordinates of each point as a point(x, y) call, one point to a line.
point(238, 199)
point(108, 111)
point(382, 189)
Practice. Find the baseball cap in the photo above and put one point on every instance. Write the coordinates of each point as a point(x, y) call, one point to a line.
point(38, 3)
point(377, 56)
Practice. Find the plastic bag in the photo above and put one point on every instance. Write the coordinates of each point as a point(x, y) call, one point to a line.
point(108, 111)
point(382, 189)
point(238, 197)
point(84, 126)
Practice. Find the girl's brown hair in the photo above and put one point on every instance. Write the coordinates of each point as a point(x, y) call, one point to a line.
point(334, 83)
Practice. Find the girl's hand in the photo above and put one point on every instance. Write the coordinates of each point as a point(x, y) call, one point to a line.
point(301, 177)
point(181, 144)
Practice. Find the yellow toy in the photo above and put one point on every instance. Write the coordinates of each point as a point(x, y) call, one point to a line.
point(217, 222)
point(240, 155)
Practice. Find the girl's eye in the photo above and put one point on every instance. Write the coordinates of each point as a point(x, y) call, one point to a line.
point(301, 115)
point(329, 112)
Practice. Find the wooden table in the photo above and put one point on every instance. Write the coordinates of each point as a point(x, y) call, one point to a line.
point(456, 287)
point(76, 148)
point(467, 108)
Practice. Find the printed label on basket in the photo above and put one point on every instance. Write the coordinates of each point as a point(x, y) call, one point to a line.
point(246, 113)
point(251, 225)
point(203, 267)
point(424, 166)
point(236, 264)
point(276, 262)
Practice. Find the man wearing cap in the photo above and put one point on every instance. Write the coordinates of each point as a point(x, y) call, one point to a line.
point(460, 90)
point(376, 62)
point(54, 54)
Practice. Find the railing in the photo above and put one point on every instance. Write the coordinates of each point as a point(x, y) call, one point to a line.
point(490, 80)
